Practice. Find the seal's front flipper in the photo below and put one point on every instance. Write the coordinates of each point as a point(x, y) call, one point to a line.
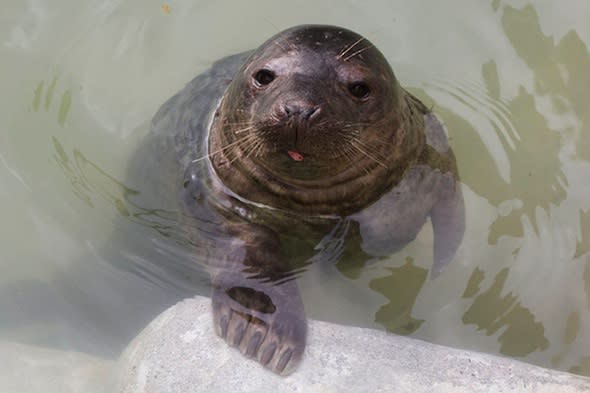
point(448, 224)
point(264, 320)
point(256, 303)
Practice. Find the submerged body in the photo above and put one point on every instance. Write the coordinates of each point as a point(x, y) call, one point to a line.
point(308, 136)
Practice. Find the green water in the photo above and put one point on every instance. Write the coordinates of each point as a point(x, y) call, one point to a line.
point(81, 80)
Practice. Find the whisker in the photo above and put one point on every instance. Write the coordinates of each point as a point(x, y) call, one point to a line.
point(258, 148)
point(355, 133)
point(347, 49)
point(276, 42)
point(351, 157)
point(251, 148)
point(323, 123)
point(236, 142)
point(245, 150)
point(358, 52)
point(355, 125)
point(238, 123)
point(366, 153)
point(243, 130)
point(369, 146)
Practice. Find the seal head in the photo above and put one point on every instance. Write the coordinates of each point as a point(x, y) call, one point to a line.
point(313, 117)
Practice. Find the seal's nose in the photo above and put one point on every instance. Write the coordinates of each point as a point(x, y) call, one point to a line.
point(303, 110)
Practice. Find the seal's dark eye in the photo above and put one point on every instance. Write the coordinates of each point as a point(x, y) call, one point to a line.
point(264, 77)
point(359, 89)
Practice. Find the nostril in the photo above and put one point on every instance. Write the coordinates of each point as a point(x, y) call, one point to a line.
point(310, 112)
point(304, 111)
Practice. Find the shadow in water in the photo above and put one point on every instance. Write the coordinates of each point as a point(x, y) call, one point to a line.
point(401, 288)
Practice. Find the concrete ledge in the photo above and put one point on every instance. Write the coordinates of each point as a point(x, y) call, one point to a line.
point(179, 352)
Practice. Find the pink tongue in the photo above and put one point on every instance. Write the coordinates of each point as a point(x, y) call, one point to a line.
point(295, 155)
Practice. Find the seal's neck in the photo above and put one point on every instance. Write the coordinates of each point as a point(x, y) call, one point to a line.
point(338, 187)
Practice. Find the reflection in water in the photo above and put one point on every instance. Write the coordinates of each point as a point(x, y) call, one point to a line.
point(582, 368)
point(583, 245)
point(560, 74)
point(64, 105)
point(560, 70)
point(572, 328)
point(175, 267)
point(80, 187)
point(401, 288)
point(571, 333)
point(492, 311)
point(351, 258)
point(473, 285)
point(520, 170)
point(89, 181)
point(536, 178)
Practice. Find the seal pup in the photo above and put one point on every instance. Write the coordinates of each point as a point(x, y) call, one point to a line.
point(277, 149)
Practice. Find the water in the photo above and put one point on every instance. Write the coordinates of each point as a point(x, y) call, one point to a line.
point(82, 267)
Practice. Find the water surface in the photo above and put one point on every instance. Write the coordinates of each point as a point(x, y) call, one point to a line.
point(84, 268)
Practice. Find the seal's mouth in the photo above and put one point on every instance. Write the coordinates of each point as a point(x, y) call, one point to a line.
point(295, 155)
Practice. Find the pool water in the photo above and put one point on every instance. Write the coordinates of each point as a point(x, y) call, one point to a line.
point(84, 268)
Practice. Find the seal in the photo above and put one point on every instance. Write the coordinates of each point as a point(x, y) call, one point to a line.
point(286, 156)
